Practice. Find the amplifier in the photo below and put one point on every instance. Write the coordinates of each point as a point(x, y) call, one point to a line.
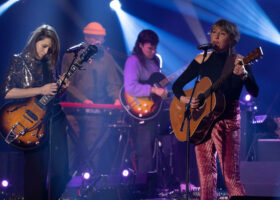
point(261, 178)
point(268, 150)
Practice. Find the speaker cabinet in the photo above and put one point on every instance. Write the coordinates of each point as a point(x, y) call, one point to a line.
point(261, 178)
point(268, 150)
point(253, 198)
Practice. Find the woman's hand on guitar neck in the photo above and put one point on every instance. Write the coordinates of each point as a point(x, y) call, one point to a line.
point(66, 81)
point(239, 68)
point(194, 104)
point(160, 92)
point(48, 89)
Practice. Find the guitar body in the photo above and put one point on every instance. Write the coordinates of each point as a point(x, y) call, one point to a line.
point(201, 118)
point(24, 121)
point(143, 108)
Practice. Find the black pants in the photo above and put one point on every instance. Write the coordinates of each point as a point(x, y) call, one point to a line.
point(37, 166)
point(144, 135)
point(35, 173)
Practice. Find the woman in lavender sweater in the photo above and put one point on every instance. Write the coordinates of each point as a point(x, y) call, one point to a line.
point(138, 68)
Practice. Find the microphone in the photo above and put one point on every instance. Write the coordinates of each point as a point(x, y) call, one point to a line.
point(76, 48)
point(206, 46)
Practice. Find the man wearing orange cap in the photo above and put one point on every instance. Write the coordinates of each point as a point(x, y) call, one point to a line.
point(98, 83)
point(106, 85)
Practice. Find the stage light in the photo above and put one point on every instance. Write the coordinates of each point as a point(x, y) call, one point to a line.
point(247, 97)
point(86, 175)
point(4, 183)
point(5, 6)
point(125, 173)
point(115, 5)
point(255, 107)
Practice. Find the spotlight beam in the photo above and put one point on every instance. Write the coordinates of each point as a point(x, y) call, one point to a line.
point(248, 15)
point(5, 6)
point(172, 57)
point(193, 23)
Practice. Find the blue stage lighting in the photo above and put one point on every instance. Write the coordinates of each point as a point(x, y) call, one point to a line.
point(115, 5)
point(160, 60)
point(173, 58)
point(248, 15)
point(5, 6)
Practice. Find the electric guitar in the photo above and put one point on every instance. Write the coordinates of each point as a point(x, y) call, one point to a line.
point(213, 105)
point(22, 124)
point(146, 108)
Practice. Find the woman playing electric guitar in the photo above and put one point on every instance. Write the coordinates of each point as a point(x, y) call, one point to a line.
point(31, 74)
point(138, 68)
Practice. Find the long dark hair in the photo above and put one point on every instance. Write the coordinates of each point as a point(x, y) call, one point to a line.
point(145, 36)
point(42, 32)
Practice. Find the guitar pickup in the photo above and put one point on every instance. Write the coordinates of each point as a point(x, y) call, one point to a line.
point(31, 115)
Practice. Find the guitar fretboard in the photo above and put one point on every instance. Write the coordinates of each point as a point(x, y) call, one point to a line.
point(44, 100)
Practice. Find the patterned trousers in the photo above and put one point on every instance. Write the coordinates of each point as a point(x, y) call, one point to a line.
point(224, 142)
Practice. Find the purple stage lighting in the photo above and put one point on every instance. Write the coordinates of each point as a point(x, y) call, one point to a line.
point(86, 175)
point(248, 97)
point(125, 173)
point(4, 183)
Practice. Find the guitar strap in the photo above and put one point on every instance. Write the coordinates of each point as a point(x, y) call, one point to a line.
point(229, 64)
point(227, 70)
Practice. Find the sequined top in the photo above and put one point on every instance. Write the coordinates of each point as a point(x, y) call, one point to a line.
point(25, 72)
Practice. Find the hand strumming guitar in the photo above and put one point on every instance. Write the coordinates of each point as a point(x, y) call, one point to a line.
point(160, 92)
point(194, 104)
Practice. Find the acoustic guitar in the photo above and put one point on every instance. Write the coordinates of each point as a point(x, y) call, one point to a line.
point(22, 124)
point(212, 106)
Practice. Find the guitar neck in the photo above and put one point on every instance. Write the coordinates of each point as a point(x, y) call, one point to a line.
point(163, 83)
point(247, 60)
point(44, 100)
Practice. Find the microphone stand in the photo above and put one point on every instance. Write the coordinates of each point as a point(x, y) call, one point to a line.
point(50, 193)
point(187, 116)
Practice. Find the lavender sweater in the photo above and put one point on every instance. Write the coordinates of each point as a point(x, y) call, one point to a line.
point(135, 73)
